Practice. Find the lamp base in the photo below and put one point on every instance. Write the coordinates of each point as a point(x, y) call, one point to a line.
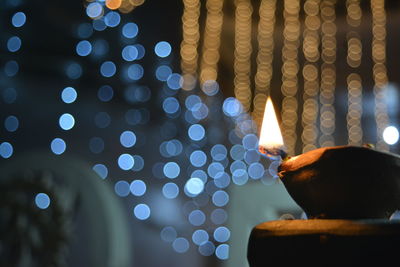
point(324, 242)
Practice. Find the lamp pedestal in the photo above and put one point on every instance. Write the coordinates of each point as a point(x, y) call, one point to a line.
point(324, 242)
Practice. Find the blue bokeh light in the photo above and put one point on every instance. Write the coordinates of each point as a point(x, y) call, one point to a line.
point(219, 216)
point(197, 217)
point(194, 186)
point(94, 10)
point(250, 141)
point(11, 68)
point(163, 72)
point(232, 107)
point(42, 201)
point(83, 48)
point(108, 69)
point(112, 19)
point(256, 170)
point(198, 158)
point(207, 248)
point(18, 19)
point(105, 93)
point(135, 72)
point(200, 111)
point(215, 169)
point(162, 49)
point(171, 170)
point(252, 156)
point(66, 121)
point(171, 105)
point(121, 188)
point(237, 152)
point(223, 180)
point(11, 123)
point(127, 139)
point(220, 198)
point(99, 24)
point(170, 190)
point(58, 146)
point(130, 53)
point(191, 101)
point(14, 44)
point(135, 94)
point(138, 188)
point(196, 132)
point(240, 176)
point(222, 234)
point(142, 211)
point(219, 152)
point(175, 81)
point(101, 170)
point(199, 237)
point(126, 162)
point(180, 245)
point(6, 150)
point(130, 30)
point(69, 95)
point(222, 252)
point(168, 234)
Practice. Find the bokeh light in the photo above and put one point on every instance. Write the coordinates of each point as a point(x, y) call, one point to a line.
point(180, 245)
point(126, 162)
point(170, 190)
point(122, 188)
point(6, 150)
point(194, 186)
point(171, 170)
point(11, 123)
point(391, 135)
point(101, 170)
point(142, 211)
point(162, 49)
point(18, 19)
point(66, 121)
point(130, 30)
point(127, 139)
point(84, 48)
point(138, 188)
point(69, 95)
point(58, 146)
point(42, 201)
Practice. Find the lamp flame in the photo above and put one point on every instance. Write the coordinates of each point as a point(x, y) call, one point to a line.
point(271, 141)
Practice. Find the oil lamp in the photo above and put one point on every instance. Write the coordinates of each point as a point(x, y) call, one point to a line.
point(348, 193)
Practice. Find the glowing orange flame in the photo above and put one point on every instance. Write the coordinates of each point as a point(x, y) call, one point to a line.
point(271, 141)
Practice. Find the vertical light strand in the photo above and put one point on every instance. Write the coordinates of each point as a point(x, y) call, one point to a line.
point(263, 75)
point(354, 82)
point(290, 68)
point(243, 49)
point(328, 73)
point(379, 69)
point(211, 41)
point(189, 44)
point(311, 40)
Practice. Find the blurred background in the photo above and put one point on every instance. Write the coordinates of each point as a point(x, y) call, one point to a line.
point(129, 128)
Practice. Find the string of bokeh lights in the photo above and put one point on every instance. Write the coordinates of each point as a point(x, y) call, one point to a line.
point(263, 76)
point(328, 73)
point(379, 73)
point(354, 82)
point(311, 43)
point(290, 68)
point(11, 69)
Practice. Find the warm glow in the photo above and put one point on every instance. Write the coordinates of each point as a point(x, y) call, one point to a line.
point(113, 4)
point(270, 136)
